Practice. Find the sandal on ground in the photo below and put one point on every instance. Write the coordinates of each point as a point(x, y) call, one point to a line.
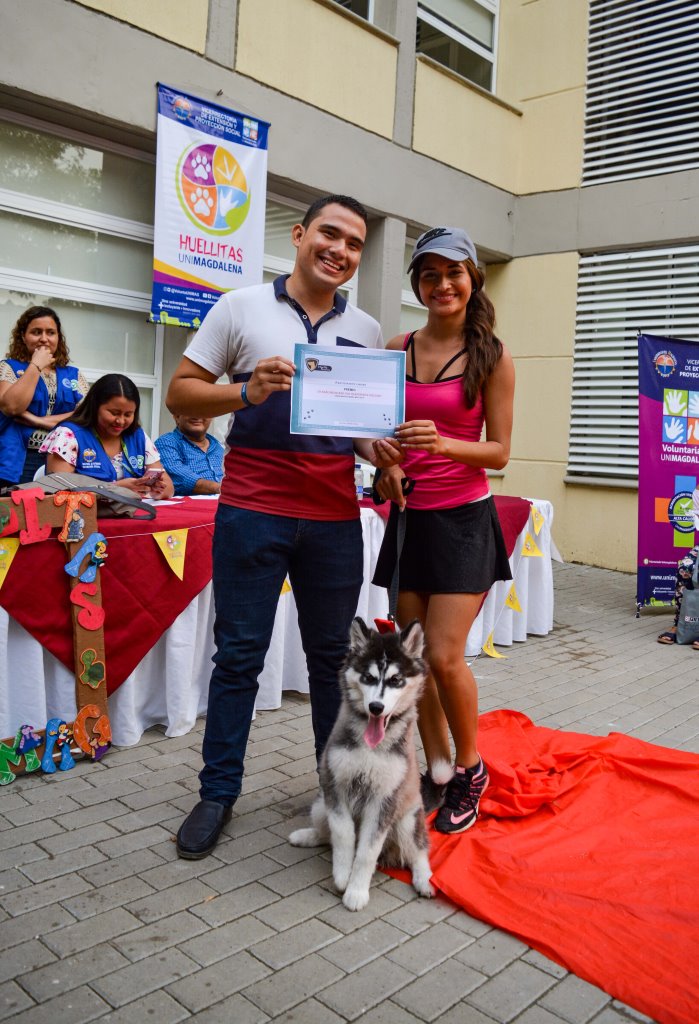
point(668, 637)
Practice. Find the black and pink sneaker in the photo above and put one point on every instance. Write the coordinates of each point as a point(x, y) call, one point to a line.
point(460, 808)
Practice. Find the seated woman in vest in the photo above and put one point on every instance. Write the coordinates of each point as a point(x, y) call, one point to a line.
point(104, 439)
point(38, 390)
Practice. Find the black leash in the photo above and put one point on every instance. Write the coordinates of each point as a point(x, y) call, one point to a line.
point(407, 484)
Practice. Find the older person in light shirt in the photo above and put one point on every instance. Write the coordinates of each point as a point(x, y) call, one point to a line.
point(192, 456)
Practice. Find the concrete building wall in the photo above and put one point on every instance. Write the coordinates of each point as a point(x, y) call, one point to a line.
point(535, 299)
point(306, 49)
point(541, 70)
point(484, 139)
point(528, 137)
point(181, 21)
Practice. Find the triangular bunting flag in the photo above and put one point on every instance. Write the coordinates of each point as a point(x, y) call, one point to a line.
point(512, 601)
point(173, 544)
point(286, 587)
point(8, 550)
point(490, 650)
point(530, 549)
point(537, 519)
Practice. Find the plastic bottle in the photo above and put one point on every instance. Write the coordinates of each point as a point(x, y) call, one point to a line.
point(359, 481)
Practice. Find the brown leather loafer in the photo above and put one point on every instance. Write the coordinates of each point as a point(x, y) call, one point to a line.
point(200, 830)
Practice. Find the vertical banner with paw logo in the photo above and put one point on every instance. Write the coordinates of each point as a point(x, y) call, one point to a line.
point(668, 462)
point(211, 183)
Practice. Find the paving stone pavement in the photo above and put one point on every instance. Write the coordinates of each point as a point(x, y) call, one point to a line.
point(99, 920)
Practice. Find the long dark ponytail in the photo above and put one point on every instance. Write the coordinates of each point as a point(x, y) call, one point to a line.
point(484, 347)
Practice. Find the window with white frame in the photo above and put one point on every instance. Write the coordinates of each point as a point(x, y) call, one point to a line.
point(461, 35)
point(76, 234)
point(642, 101)
point(655, 291)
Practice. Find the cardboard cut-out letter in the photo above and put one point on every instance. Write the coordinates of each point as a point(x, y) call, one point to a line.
point(55, 738)
point(28, 500)
point(90, 616)
point(14, 754)
point(73, 521)
point(95, 546)
point(98, 742)
point(8, 520)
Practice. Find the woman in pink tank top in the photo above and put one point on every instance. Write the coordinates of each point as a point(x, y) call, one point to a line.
point(460, 379)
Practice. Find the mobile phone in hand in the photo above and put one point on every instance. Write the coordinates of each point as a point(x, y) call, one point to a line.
point(152, 476)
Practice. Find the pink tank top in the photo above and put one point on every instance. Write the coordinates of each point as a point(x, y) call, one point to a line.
point(441, 482)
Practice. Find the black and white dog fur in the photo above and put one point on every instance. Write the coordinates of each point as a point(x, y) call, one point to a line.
point(369, 808)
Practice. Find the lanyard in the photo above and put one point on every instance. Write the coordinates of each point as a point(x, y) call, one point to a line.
point(126, 465)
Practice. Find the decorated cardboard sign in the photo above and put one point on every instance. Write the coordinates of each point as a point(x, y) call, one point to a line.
point(33, 515)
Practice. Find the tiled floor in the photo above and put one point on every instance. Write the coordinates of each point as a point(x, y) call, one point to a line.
point(99, 920)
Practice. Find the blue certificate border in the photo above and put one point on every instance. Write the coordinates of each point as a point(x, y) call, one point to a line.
point(302, 351)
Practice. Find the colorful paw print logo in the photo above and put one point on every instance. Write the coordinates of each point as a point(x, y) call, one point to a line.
point(212, 188)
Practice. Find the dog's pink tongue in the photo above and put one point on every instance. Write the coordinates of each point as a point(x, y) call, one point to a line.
point(375, 732)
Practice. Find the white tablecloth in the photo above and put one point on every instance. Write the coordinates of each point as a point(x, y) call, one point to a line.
point(170, 685)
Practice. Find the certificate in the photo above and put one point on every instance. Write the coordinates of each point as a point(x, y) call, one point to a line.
point(347, 392)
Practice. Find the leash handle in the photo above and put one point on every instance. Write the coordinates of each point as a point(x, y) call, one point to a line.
point(407, 484)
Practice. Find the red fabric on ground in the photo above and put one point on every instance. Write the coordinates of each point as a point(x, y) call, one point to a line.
point(587, 849)
point(141, 595)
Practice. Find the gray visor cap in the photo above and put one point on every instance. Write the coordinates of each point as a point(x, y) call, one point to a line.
point(451, 243)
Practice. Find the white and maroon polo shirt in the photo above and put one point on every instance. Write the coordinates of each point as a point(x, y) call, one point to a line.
point(268, 469)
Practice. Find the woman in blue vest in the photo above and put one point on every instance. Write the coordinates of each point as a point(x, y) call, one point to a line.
point(38, 390)
point(104, 439)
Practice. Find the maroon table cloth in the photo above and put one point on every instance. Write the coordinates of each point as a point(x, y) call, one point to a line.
point(141, 595)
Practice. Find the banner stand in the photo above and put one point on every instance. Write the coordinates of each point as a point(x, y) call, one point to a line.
point(668, 463)
point(210, 193)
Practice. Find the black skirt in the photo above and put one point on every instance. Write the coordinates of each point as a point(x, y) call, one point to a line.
point(446, 551)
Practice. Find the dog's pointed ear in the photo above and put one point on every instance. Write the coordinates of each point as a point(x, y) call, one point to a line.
point(413, 639)
point(359, 633)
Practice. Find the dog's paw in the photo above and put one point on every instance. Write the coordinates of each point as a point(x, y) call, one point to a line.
point(340, 879)
point(305, 837)
point(355, 899)
point(423, 888)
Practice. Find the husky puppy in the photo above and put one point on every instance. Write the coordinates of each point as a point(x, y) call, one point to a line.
point(369, 808)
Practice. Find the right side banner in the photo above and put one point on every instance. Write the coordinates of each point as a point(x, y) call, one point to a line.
point(668, 461)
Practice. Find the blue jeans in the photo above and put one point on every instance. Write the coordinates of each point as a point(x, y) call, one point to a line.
point(252, 554)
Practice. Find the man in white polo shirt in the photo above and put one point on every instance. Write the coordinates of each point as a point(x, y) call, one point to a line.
point(288, 503)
